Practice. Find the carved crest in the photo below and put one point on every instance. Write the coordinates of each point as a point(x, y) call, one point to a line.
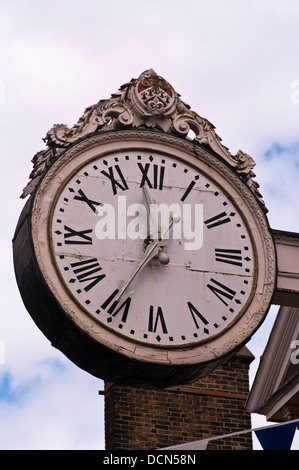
point(147, 102)
point(154, 96)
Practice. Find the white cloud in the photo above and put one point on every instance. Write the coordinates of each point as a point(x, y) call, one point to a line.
point(46, 411)
point(278, 176)
point(233, 62)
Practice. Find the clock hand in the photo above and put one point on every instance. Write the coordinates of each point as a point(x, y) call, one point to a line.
point(153, 220)
point(151, 251)
point(155, 229)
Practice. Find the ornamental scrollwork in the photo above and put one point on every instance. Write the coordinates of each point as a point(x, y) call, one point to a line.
point(146, 102)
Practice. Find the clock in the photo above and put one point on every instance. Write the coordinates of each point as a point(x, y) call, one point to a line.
point(146, 259)
point(186, 294)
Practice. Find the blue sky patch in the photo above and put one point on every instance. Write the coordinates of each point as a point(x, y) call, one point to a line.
point(278, 149)
point(9, 394)
point(54, 364)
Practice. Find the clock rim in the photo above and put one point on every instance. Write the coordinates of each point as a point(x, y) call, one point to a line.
point(188, 345)
point(111, 142)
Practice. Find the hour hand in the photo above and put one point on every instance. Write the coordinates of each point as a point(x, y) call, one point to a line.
point(154, 230)
point(154, 227)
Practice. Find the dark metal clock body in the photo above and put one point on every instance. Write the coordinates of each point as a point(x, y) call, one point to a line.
point(89, 275)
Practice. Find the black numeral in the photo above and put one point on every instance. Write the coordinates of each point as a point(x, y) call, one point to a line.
point(87, 271)
point(112, 310)
point(191, 185)
point(92, 204)
point(157, 175)
point(154, 320)
point(221, 291)
point(228, 256)
point(74, 237)
point(195, 313)
point(217, 220)
point(114, 182)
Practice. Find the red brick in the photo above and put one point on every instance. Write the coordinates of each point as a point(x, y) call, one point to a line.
point(141, 419)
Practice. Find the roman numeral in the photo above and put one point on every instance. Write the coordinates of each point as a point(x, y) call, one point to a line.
point(86, 271)
point(74, 237)
point(112, 310)
point(228, 256)
point(191, 185)
point(92, 204)
point(218, 220)
point(155, 319)
point(197, 315)
point(114, 182)
point(157, 178)
point(221, 291)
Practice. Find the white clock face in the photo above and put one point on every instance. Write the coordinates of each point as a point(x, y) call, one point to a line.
point(207, 274)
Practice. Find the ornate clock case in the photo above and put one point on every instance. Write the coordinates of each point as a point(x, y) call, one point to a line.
point(177, 320)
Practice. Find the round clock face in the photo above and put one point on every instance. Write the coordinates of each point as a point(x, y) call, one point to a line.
point(152, 248)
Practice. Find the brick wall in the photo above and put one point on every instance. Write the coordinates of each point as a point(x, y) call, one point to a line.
point(140, 419)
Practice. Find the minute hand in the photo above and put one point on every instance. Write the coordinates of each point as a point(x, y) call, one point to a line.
point(151, 251)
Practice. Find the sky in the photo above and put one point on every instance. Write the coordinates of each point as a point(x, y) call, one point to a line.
point(235, 62)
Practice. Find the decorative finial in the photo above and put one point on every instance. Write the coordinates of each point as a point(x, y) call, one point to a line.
point(146, 102)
